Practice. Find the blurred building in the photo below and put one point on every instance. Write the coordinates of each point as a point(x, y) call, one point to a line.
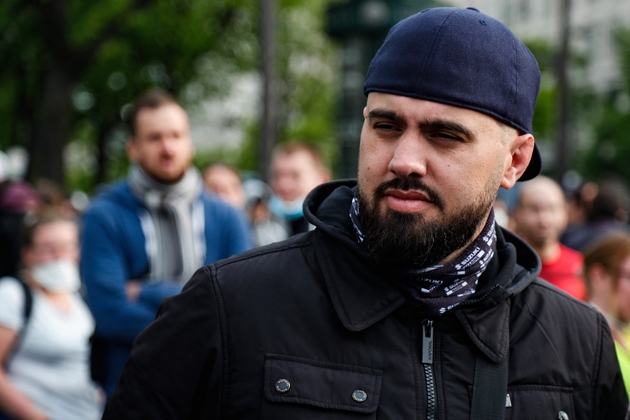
point(219, 123)
point(593, 24)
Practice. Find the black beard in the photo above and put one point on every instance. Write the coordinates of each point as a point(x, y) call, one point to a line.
point(398, 239)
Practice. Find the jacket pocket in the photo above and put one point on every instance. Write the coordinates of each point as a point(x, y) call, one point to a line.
point(302, 388)
point(539, 402)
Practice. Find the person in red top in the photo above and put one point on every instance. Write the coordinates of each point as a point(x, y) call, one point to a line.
point(540, 218)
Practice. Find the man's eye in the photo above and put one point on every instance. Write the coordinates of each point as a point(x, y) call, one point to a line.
point(446, 136)
point(384, 126)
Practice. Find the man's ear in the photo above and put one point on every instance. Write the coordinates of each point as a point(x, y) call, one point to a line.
point(324, 175)
point(596, 273)
point(599, 278)
point(132, 149)
point(521, 153)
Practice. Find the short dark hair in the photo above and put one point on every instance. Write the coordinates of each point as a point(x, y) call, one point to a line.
point(151, 99)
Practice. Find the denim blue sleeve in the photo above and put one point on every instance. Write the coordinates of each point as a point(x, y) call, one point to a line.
point(105, 269)
point(154, 293)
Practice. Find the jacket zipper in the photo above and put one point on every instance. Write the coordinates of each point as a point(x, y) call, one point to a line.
point(427, 363)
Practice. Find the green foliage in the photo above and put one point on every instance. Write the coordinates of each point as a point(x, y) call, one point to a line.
point(308, 74)
point(190, 48)
point(308, 70)
point(584, 105)
point(608, 154)
point(544, 125)
point(111, 50)
point(23, 59)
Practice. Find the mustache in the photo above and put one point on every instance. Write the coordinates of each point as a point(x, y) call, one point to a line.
point(409, 184)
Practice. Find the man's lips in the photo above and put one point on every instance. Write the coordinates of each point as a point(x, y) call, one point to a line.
point(408, 194)
point(407, 200)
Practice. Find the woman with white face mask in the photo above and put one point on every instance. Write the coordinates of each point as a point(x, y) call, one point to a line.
point(45, 362)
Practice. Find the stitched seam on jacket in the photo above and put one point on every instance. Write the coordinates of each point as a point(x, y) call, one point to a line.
point(597, 362)
point(331, 285)
point(248, 255)
point(211, 271)
point(538, 282)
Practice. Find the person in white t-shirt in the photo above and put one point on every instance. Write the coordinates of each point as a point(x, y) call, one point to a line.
point(45, 364)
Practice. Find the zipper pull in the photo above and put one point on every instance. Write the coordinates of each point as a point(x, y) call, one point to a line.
point(427, 342)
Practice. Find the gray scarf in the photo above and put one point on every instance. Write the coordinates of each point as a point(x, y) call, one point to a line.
point(173, 223)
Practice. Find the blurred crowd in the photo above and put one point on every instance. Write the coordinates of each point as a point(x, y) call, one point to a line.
point(79, 281)
point(582, 238)
point(79, 284)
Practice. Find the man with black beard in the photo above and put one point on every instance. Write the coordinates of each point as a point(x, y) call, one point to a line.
point(407, 301)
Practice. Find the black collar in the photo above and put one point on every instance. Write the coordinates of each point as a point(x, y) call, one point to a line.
point(362, 296)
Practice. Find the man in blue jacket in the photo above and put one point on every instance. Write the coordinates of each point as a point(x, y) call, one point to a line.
point(144, 238)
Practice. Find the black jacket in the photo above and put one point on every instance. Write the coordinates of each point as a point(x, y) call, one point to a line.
point(316, 312)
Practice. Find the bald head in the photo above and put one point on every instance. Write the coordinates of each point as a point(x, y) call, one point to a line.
point(541, 213)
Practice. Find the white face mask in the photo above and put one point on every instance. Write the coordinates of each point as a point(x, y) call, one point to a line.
point(57, 275)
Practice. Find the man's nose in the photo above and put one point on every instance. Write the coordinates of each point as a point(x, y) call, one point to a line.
point(545, 215)
point(169, 145)
point(410, 152)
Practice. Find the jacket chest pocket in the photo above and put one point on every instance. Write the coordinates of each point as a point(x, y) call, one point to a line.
point(539, 402)
point(301, 388)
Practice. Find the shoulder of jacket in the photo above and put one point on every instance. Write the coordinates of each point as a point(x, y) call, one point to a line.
point(114, 202)
point(543, 298)
point(276, 251)
point(217, 208)
point(115, 195)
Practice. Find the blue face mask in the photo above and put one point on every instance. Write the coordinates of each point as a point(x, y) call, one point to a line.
point(290, 211)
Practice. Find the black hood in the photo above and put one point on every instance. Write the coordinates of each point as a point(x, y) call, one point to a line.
point(514, 266)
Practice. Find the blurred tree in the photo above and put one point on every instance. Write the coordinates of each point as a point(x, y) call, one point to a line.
point(69, 66)
point(545, 124)
point(309, 80)
point(608, 154)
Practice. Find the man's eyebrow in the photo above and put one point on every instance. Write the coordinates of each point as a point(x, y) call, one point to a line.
point(446, 125)
point(386, 114)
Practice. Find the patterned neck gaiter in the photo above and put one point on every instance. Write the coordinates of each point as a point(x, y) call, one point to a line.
point(440, 288)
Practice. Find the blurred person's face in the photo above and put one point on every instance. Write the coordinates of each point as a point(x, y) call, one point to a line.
point(52, 241)
point(294, 175)
point(226, 185)
point(162, 145)
point(623, 292)
point(428, 175)
point(541, 216)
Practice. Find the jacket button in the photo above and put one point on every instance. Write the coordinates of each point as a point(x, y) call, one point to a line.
point(283, 386)
point(359, 396)
point(563, 416)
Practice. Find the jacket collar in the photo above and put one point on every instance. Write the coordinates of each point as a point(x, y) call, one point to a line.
point(362, 296)
point(358, 293)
